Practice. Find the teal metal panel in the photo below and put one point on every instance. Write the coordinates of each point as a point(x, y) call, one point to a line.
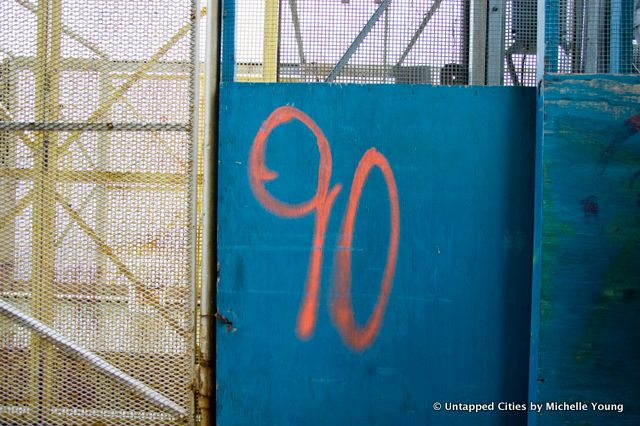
point(375, 253)
point(589, 346)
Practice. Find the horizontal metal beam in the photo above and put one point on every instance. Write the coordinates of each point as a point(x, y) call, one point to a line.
point(98, 65)
point(157, 180)
point(78, 291)
point(92, 359)
point(315, 70)
point(12, 126)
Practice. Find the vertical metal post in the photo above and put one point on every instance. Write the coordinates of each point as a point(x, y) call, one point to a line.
point(478, 30)
point(39, 225)
point(228, 69)
point(49, 176)
point(621, 36)
point(540, 43)
point(551, 34)
point(209, 213)
point(105, 85)
point(270, 41)
point(8, 185)
point(593, 36)
point(626, 36)
point(47, 77)
point(495, 42)
point(465, 60)
point(615, 39)
point(577, 42)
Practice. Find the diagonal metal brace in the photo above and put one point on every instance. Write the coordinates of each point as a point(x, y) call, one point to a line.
point(122, 268)
point(425, 20)
point(357, 41)
point(296, 28)
point(68, 31)
point(92, 359)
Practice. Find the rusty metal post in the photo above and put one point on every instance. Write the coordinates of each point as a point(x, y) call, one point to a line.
point(209, 213)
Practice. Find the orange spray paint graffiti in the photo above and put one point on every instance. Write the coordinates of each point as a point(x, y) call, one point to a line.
point(357, 338)
point(343, 316)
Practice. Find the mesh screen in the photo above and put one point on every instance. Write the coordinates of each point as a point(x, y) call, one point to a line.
point(442, 42)
point(592, 36)
point(96, 212)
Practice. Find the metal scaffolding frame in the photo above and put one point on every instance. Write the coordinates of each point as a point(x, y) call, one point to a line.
point(48, 146)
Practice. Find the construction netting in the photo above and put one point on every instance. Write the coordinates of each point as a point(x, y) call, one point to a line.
point(441, 42)
point(97, 223)
point(592, 36)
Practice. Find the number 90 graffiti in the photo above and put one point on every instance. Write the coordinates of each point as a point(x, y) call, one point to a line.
point(356, 337)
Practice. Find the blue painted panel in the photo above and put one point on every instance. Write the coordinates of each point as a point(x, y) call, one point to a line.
point(456, 325)
point(589, 350)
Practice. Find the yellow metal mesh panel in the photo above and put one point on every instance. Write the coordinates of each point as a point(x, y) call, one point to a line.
point(96, 212)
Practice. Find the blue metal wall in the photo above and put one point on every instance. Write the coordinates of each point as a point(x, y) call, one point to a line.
point(456, 325)
point(587, 319)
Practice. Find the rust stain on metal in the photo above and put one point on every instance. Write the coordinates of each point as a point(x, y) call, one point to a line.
point(224, 320)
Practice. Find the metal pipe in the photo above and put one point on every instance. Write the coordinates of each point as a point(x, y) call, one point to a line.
point(358, 40)
point(478, 29)
point(194, 103)
point(94, 360)
point(209, 210)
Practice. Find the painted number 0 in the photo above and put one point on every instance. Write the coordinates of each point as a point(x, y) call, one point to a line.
point(354, 336)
